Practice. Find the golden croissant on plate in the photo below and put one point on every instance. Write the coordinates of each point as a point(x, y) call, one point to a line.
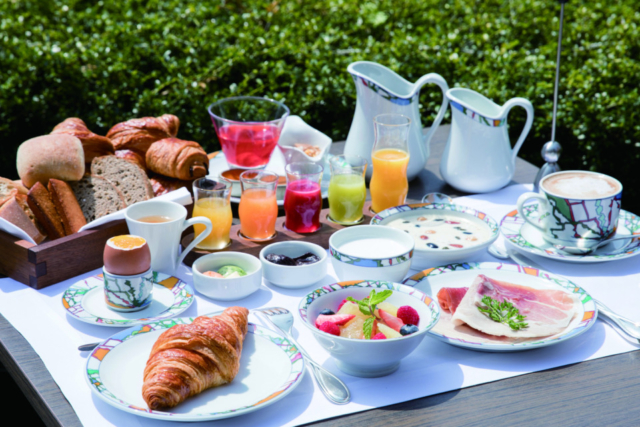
point(188, 359)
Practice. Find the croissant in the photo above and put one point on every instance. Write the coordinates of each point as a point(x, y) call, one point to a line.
point(133, 156)
point(177, 158)
point(139, 134)
point(188, 359)
point(93, 145)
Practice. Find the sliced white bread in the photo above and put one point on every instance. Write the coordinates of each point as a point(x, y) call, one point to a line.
point(97, 197)
point(127, 176)
point(13, 212)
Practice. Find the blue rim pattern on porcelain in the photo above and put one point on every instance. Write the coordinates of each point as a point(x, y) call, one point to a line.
point(371, 262)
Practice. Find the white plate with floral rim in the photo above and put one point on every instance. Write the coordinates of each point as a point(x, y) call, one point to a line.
point(271, 367)
point(426, 221)
point(84, 300)
point(527, 239)
point(430, 281)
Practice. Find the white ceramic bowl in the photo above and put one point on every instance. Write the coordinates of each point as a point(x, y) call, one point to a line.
point(371, 253)
point(295, 131)
point(227, 289)
point(424, 257)
point(294, 277)
point(368, 358)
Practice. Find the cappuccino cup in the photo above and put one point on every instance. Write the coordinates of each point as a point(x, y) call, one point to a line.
point(161, 224)
point(576, 209)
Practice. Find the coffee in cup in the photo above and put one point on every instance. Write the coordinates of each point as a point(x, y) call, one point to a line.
point(576, 209)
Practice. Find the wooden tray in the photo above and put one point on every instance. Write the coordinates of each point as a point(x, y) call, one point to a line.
point(52, 262)
point(239, 244)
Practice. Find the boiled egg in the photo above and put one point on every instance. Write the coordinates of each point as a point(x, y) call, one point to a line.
point(127, 255)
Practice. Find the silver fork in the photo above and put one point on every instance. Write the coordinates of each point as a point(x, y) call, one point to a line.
point(332, 387)
point(627, 325)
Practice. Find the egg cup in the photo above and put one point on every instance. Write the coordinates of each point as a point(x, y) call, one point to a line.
point(128, 293)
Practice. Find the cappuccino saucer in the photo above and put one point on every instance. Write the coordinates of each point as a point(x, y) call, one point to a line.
point(525, 238)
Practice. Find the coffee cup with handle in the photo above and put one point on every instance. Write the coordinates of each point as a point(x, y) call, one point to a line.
point(576, 209)
point(161, 223)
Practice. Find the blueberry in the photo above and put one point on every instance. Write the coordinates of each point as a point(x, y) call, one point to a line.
point(408, 329)
point(467, 232)
point(432, 245)
point(280, 259)
point(417, 226)
point(307, 258)
point(327, 312)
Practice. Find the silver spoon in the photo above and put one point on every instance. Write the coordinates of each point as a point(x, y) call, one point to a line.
point(437, 198)
point(627, 325)
point(585, 251)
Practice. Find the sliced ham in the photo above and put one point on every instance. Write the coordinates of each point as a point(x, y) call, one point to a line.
point(449, 298)
point(547, 312)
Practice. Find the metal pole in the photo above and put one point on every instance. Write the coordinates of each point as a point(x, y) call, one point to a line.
point(555, 90)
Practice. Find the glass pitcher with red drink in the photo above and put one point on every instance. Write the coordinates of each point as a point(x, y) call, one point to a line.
point(303, 198)
point(248, 128)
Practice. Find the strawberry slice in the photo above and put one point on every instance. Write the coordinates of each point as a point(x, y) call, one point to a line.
point(336, 319)
point(392, 321)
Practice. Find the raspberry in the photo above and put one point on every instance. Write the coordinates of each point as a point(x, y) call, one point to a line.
point(330, 328)
point(379, 336)
point(341, 304)
point(408, 315)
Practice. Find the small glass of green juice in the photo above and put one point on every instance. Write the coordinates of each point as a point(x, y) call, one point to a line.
point(347, 191)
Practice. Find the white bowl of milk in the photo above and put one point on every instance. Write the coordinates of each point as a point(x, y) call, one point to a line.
point(367, 252)
point(443, 233)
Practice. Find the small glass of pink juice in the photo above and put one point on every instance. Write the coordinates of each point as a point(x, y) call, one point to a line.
point(248, 129)
point(303, 198)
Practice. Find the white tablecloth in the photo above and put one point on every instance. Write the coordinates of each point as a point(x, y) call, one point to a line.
point(433, 368)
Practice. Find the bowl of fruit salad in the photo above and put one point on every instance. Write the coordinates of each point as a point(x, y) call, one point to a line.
point(227, 276)
point(368, 326)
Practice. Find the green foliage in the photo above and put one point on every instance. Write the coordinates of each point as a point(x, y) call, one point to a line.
point(110, 61)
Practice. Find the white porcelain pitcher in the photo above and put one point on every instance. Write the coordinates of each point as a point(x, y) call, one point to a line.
point(478, 157)
point(380, 90)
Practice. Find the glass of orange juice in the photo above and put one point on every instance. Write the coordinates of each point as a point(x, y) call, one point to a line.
point(390, 157)
point(212, 201)
point(258, 208)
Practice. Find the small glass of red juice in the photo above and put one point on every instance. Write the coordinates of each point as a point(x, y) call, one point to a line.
point(248, 128)
point(303, 198)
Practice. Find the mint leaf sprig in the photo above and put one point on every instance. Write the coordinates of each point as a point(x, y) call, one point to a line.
point(367, 307)
point(503, 312)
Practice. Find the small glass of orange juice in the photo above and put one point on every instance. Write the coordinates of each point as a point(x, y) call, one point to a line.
point(212, 201)
point(258, 208)
point(390, 157)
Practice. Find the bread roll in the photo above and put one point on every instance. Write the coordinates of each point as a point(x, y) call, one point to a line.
point(45, 211)
point(93, 145)
point(8, 190)
point(24, 204)
point(21, 188)
point(50, 156)
point(67, 206)
point(13, 212)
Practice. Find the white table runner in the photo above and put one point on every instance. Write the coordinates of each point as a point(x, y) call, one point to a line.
point(433, 368)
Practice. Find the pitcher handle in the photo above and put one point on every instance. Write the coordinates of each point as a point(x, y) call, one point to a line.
point(441, 82)
point(526, 104)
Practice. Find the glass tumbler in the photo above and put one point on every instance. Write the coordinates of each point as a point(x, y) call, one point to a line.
point(347, 191)
point(212, 201)
point(390, 157)
point(258, 208)
point(248, 128)
point(303, 198)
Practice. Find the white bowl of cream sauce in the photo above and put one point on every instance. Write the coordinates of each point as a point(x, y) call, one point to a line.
point(443, 233)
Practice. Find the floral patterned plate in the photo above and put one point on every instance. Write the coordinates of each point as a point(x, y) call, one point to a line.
point(84, 300)
point(430, 281)
point(270, 368)
point(525, 238)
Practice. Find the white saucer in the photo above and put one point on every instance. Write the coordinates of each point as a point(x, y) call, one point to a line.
point(218, 164)
point(84, 300)
point(525, 238)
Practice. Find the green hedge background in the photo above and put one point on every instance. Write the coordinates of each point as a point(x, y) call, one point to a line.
point(110, 61)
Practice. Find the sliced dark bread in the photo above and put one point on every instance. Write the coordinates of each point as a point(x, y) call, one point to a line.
point(97, 197)
point(127, 176)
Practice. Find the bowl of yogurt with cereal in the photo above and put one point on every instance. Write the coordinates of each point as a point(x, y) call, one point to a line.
point(443, 233)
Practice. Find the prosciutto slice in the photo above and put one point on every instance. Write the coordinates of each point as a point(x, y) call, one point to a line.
point(449, 298)
point(547, 311)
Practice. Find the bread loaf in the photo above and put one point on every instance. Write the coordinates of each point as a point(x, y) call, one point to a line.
point(50, 156)
point(97, 197)
point(177, 158)
point(13, 212)
point(24, 204)
point(93, 145)
point(139, 134)
point(67, 206)
point(40, 202)
point(133, 157)
point(8, 190)
point(127, 176)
